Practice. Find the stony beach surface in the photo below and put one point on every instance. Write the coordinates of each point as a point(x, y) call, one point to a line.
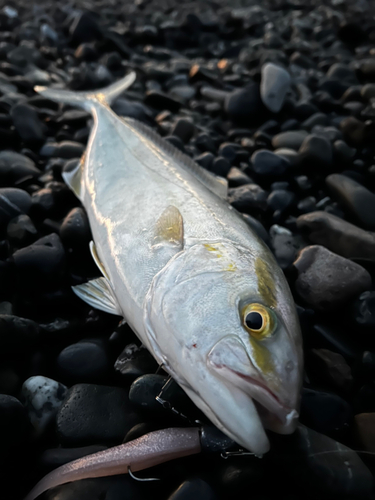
point(277, 96)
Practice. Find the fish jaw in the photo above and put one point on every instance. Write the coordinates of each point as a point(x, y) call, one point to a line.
point(229, 360)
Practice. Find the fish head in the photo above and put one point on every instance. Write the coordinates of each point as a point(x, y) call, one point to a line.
point(224, 324)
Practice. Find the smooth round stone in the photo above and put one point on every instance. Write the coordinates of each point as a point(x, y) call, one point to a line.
point(85, 361)
point(285, 245)
point(145, 389)
point(137, 110)
point(237, 177)
point(364, 309)
point(15, 167)
point(95, 414)
point(364, 429)
point(17, 334)
point(184, 129)
point(315, 119)
point(343, 152)
point(194, 488)
point(63, 149)
point(333, 366)
point(307, 204)
point(280, 200)
point(245, 104)
point(325, 468)
point(275, 83)
point(135, 361)
point(21, 230)
point(355, 198)
point(220, 166)
point(354, 131)
point(368, 91)
point(205, 143)
point(158, 100)
point(28, 125)
point(13, 202)
point(266, 162)
point(75, 229)
point(43, 397)
point(205, 160)
point(292, 139)
point(326, 281)
point(338, 235)
point(13, 422)
point(248, 197)
point(84, 28)
point(316, 151)
point(42, 264)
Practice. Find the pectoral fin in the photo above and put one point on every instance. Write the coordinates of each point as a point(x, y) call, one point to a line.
point(73, 178)
point(98, 294)
point(170, 228)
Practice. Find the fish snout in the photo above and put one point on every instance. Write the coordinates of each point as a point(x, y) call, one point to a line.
point(229, 359)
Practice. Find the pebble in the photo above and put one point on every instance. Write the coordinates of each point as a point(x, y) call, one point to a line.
point(41, 265)
point(334, 368)
point(85, 361)
point(237, 177)
point(248, 197)
point(63, 149)
point(364, 429)
point(158, 100)
point(355, 198)
point(274, 86)
point(13, 422)
point(84, 28)
point(94, 414)
point(184, 129)
point(266, 162)
point(135, 361)
point(75, 230)
point(316, 151)
point(17, 334)
point(245, 105)
point(42, 398)
point(13, 202)
point(338, 235)
point(21, 231)
point(28, 125)
point(194, 488)
point(326, 281)
point(364, 309)
point(285, 245)
point(145, 389)
point(292, 139)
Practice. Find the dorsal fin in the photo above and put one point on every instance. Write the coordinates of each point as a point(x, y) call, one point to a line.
point(217, 185)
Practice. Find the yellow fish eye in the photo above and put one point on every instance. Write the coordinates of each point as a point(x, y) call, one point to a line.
point(258, 320)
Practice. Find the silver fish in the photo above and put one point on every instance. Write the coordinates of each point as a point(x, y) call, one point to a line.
point(198, 287)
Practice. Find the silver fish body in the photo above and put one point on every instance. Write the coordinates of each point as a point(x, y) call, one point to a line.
point(198, 287)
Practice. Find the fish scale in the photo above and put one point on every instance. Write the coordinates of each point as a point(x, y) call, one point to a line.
point(184, 269)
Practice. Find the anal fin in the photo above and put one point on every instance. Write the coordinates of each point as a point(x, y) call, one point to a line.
point(98, 294)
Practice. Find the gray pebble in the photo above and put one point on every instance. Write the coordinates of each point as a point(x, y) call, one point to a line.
point(274, 86)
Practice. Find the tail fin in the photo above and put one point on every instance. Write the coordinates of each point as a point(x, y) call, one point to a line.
point(88, 100)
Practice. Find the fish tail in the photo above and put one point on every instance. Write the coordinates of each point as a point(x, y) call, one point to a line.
point(88, 100)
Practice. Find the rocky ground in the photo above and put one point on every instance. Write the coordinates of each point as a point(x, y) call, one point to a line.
point(279, 97)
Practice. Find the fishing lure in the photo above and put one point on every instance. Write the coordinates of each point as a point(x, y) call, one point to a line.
point(195, 283)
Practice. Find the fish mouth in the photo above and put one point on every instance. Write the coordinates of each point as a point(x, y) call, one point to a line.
point(274, 414)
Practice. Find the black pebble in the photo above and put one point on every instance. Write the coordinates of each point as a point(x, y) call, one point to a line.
point(145, 389)
point(13, 202)
point(75, 230)
point(245, 105)
point(95, 414)
point(13, 422)
point(27, 123)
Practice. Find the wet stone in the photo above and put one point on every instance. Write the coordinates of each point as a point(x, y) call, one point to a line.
point(42, 397)
point(145, 389)
point(135, 361)
point(266, 162)
point(159, 100)
point(280, 199)
point(248, 197)
point(364, 428)
point(338, 235)
point(316, 151)
point(326, 280)
point(184, 129)
point(21, 231)
point(220, 166)
point(28, 125)
point(85, 361)
point(364, 309)
point(274, 86)
point(355, 198)
point(292, 139)
point(84, 28)
point(285, 245)
point(13, 202)
point(245, 105)
point(17, 334)
point(194, 488)
point(13, 422)
point(63, 149)
point(75, 229)
point(335, 368)
point(94, 414)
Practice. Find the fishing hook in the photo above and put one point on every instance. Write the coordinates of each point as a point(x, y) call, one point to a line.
point(141, 479)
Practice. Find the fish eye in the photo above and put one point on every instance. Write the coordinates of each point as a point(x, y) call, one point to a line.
point(258, 320)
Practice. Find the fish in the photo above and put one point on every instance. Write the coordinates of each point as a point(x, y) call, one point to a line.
point(197, 285)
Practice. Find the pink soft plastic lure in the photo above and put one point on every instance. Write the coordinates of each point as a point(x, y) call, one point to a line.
point(151, 449)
